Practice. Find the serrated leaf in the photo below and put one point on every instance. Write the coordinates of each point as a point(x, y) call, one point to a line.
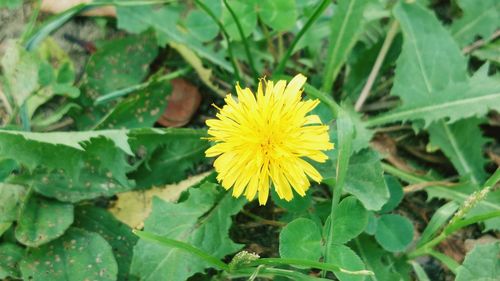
point(346, 26)
point(394, 232)
point(432, 90)
point(347, 259)
point(202, 220)
point(78, 255)
point(139, 110)
point(301, 239)
point(118, 235)
point(478, 18)
point(482, 263)
point(365, 180)
point(10, 256)
point(462, 142)
point(278, 14)
point(349, 220)
point(43, 220)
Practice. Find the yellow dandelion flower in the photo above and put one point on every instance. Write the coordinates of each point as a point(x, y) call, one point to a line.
point(264, 139)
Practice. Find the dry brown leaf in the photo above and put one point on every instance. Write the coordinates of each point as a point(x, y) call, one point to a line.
point(58, 6)
point(182, 104)
point(133, 207)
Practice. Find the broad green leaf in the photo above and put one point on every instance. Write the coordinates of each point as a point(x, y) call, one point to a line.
point(164, 22)
point(482, 263)
point(202, 220)
point(43, 220)
point(201, 25)
point(349, 220)
point(478, 18)
point(346, 258)
point(7, 166)
point(78, 255)
point(20, 69)
point(363, 135)
point(247, 17)
point(371, 226)
point(394, 232)
point(365, 180)
point(396, 194)
point(10, 256)
point(440, 217)
point(432, 90)
point(385, 265)
point(170, 158)
point(301, 239)
point(462, 142)
point(280, 15)
point(118, 235)
point(139, 110)
point(346, 25)
point(11, 198)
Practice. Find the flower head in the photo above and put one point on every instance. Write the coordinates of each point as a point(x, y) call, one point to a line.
point(264, 139)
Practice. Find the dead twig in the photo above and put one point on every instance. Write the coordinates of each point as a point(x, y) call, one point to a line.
point(420, 186)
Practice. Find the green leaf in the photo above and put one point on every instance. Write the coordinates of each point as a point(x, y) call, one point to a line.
point(301, 239)
point(78, 255)
point(365, 179)
point(201, 25)
point(419, 271)
point(440, 217)
point(479, 18)
point(164, 22)
point(346, 258)
point(394, 232)
point(11, 198)
point(11, 4)
point(139, 110)
point(451, 95)
point(10, 256)
point(202, 220)
point(118, 235)
point(349, 220)
point(20, 69)
point(481, 263)
point(490, 52)
point(43, 220)
point(170, 158)
point(346, 25)
point(460, 193)
point(385, 265)
point(247, 16)
point(280, 15)
point(462, 142)
point(396, 194)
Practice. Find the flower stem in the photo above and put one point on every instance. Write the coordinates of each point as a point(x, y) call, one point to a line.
point(317, 12)
point(308, 263)
point(345, 135)
point(226, 36)
point(244, 40)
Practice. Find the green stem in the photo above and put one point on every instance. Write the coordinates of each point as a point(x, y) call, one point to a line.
point(317, 12)
point(308, 263)
point(345, 135)
point(32, 21)
point(226, 36)
point(269, 272)
point(244, 40)
point(125, 91)
point(183, 246)
point(446, 260)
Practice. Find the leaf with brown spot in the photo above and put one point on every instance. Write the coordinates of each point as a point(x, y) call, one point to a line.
point(182, 104)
